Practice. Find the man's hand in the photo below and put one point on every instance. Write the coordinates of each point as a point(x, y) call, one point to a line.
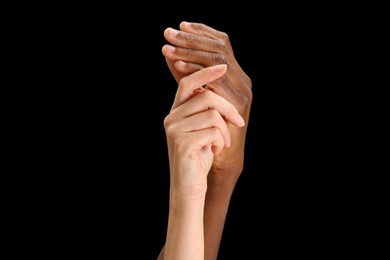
point(196, 46)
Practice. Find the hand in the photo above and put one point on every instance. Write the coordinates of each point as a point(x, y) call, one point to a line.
point(194, 47)
point(196, 130)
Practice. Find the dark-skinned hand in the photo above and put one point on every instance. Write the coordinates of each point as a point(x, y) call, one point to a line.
point(195, 46)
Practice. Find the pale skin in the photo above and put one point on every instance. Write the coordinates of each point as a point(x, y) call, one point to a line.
point(196, 131)
point(194, 47)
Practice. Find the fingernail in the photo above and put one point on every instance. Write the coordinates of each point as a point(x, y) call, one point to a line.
point(172, 32)
point(218, 68)
point(185, 23)
point(240, 120)
point(169, 48)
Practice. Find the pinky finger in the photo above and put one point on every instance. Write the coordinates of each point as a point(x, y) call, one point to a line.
point(187, 67)
point(210, 136)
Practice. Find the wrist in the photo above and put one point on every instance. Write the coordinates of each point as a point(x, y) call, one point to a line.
point(226, 178)
point(184, 204)
point(188, 194)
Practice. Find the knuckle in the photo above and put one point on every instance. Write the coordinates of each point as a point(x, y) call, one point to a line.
point(225, 37)
point(223, 80)
point(245, 100)
point(214, 115)
point(189, 53)
point(208, 96)
point(169, 126)
point(167, 120)
point(183, 82)
point(223, 43)
point(214, 133)
point(247, 95)
point(167, 123)
point(190, 39)
point(218, 58)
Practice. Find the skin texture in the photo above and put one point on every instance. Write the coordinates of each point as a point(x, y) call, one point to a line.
point(191, 48)
point(196, 131)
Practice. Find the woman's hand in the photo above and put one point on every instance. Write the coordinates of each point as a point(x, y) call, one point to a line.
point(194, 47)
point(197, 131)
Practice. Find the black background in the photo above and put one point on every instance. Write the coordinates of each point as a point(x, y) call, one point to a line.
point(112, 92)
point(126, 90)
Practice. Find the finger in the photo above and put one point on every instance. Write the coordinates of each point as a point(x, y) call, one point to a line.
point(205, 31)
point(204, 58)
point(176, 74)
point(189, 84)
point(190, 40)
point(209, 32)
point(217, 145)
point(209, 100)
point(198, 55)
point(205, 137)
point(187, 67)
point(205, 119)
point(236, 90)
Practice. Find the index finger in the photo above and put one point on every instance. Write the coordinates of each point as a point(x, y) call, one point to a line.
point(191, 83)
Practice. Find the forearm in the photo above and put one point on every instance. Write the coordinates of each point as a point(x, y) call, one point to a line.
point(185, 235)
point(219, 192)
point(216, 209)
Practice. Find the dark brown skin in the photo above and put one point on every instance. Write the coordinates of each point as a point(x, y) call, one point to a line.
point(190, 49)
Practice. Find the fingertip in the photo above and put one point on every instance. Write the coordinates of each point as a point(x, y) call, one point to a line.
point(167, 48)
point(240, 120)
point(219, 68)
point(228, 143)
point(164, 49)
point(216, 149)
point(166, 31)
point(170, 32)
point(184, 24)
point(180, 64)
